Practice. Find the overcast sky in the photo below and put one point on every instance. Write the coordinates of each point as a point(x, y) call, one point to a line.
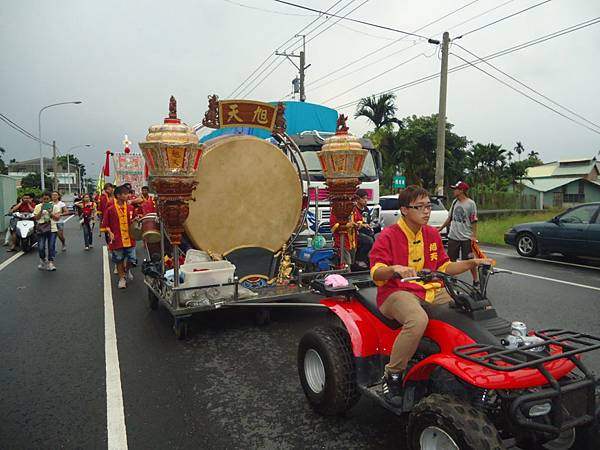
point(124, 58)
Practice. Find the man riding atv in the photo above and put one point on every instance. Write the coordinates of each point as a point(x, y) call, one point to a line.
point(400, 252)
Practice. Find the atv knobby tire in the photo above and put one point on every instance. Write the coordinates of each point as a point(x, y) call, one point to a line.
point(468, 427)
point(340, 391)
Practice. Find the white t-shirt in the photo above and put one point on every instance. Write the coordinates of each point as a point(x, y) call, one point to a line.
point(61, 205)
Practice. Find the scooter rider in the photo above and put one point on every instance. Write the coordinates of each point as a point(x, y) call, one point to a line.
point(25, 205)
point(400, 252)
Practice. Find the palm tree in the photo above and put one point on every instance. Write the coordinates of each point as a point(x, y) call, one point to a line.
point(379, 110)
point(519, 149)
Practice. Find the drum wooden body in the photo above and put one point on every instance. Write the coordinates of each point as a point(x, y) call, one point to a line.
point(150, 228)
point(249, 195)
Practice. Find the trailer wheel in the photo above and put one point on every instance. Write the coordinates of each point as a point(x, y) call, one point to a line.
point(262, 316)
point(441, 421)
point(327, 370)
point(180, 328)
point(152, 300)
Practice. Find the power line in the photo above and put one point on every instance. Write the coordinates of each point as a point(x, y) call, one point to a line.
point(309, 40)
point(272, 54)
point(273, 61)
point(362, 58)
point(529, 87)
point(266, 10)
point(383, 27)
point(20, 129)
point(494, 55)
point(526, 95)
point(503, 18)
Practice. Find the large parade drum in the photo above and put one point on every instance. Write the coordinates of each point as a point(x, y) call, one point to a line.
point(150, 228)
point(248, 199)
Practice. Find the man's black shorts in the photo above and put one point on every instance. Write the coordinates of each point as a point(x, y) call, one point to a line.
point(462, 248)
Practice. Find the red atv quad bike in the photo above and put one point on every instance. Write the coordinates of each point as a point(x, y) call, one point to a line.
point(477, 381)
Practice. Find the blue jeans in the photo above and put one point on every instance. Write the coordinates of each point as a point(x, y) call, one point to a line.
point(48, 239)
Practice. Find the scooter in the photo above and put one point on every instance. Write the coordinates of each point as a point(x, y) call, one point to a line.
point(476, 380)
point(24, 230)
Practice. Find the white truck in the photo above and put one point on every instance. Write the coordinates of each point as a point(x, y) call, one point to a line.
point(309, 143)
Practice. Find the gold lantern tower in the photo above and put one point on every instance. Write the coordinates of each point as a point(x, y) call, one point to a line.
point(342, 158)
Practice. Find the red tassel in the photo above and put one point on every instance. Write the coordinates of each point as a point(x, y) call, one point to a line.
point(145, 171)
point(107, 164)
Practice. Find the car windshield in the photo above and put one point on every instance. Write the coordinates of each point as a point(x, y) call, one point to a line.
point(583, 214)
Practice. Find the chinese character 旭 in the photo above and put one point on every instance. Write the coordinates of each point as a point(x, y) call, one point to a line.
point(233, 113)
point(433, 247)
point(260, 116)
point(433, 256)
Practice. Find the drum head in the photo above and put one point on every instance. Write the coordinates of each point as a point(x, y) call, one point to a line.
point(248, 195)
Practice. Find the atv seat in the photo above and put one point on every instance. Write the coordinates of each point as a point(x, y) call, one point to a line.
point(368, 298)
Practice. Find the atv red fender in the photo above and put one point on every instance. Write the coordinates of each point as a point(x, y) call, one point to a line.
point(370, 337)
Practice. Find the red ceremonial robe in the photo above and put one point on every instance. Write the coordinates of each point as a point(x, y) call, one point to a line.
point(398, 245)
point(118, 219)
point(350, 242)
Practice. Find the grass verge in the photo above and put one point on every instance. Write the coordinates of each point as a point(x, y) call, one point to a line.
point(491, 231)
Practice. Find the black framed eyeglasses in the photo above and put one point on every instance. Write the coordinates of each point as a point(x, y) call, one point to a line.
point(425, 207)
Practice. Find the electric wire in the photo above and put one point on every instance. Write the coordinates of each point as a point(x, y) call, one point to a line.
point(20, 129)
point(307, 41)
point(274, 56)
point(494, 55)
point(526, 95)
point(266, 10)
point(362, 22)
point(503, 18)
point(363, 57)
point(530, 88)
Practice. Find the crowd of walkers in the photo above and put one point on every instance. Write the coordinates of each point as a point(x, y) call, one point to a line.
point(114, 210)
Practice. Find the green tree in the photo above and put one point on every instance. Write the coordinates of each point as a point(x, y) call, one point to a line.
point(380, 110)
point(33, 180)
point(73, 163)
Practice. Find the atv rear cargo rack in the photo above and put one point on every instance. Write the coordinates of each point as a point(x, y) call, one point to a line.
point(508, 360)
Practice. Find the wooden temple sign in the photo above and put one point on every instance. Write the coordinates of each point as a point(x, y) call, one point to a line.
point(244, 113)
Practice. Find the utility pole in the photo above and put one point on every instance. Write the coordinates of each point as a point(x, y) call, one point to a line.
point(302, 67)
point(54, 165)
point(440, 152)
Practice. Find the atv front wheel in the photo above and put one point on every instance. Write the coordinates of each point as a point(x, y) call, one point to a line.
point(441, 421)
point(327, 371)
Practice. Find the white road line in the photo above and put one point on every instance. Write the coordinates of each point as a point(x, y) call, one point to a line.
point(541, 260)
point(11, 259)
point(554, 280)
point(115, 415)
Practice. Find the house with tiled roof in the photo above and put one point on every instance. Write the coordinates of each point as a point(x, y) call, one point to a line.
point(563, 183)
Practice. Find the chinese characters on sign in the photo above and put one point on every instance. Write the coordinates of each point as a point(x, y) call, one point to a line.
point(235, 113)
point(129, 168)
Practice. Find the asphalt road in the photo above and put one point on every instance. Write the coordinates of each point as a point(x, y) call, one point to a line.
point(230, 385)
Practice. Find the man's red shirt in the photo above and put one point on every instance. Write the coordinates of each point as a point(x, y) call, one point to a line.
point(398, 245)
point(118, 219)
point(26, 207)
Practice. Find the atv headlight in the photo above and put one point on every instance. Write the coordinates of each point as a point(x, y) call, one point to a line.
point(540, 409)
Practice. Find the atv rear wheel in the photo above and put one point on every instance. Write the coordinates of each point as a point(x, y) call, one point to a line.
point(441, 421)
point(327, 371)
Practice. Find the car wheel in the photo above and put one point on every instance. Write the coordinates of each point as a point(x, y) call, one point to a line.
point(327, 371)
point(441, 421)
point(527, 245)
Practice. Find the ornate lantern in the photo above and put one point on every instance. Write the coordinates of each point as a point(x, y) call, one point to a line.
point(342, 158)
point(172, 152)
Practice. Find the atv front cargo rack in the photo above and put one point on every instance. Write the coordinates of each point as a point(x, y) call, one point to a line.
point(501, 358)
point(571, 344)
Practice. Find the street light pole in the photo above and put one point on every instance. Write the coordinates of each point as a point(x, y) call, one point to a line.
point(68, 164)
point(40, 136)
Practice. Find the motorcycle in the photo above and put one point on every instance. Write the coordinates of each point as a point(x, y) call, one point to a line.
point(24, 228)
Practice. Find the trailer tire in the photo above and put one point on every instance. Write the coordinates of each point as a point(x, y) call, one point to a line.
point(442, 418)
point(327, 370)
